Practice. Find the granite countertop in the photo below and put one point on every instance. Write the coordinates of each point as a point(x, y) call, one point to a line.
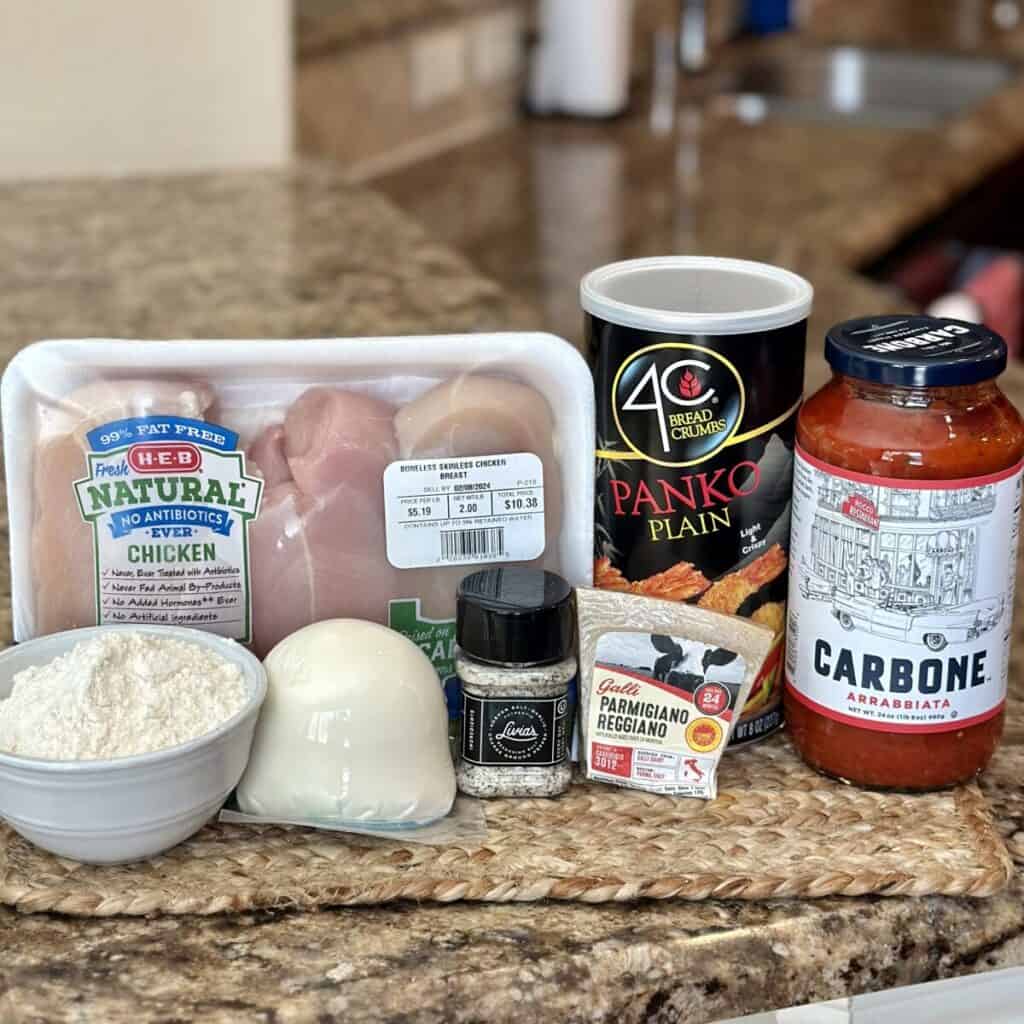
point(299, 254)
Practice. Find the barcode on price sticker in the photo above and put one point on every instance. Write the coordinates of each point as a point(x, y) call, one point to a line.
point(483, 508)
point(485, 543)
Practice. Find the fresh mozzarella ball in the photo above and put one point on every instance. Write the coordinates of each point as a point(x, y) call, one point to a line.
point(354, 729)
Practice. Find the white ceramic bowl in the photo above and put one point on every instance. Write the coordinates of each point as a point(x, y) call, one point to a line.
point(126, 808)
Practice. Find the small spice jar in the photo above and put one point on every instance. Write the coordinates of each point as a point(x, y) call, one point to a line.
point(515, 630)
point(906, 499)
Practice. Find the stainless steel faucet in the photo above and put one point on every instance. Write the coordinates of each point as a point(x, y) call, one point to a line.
point(693, 35)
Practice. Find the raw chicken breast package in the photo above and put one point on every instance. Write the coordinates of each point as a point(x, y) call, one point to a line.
point(250, 488)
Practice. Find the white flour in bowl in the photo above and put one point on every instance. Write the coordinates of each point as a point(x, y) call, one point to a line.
point(119, 694)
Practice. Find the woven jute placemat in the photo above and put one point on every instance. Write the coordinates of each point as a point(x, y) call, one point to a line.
point(777, 829)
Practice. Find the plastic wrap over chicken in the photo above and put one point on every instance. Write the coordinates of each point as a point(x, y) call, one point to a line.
point(356, 479)
point(319, 546)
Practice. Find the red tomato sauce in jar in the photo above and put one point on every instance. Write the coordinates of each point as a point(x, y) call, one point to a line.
point(903, 555)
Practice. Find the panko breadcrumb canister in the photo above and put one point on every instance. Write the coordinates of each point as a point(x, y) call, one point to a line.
point(698, 370)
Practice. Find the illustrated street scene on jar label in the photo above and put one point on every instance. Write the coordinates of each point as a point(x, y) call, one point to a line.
point(885, 580)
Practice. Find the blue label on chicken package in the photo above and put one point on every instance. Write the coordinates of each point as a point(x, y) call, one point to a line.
point(169, 502)
point(142, 430)
point(219, 521)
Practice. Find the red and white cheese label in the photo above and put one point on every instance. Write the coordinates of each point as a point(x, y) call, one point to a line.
point(661, 709)
point(901, 596)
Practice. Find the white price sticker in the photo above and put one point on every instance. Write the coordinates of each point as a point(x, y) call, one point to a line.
point(482, 508)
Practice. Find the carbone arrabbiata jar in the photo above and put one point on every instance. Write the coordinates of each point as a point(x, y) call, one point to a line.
point(906, 504)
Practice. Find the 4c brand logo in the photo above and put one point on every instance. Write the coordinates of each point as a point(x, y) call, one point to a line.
point(676, 404)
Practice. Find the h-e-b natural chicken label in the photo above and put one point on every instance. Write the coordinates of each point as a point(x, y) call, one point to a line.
point(170, 502)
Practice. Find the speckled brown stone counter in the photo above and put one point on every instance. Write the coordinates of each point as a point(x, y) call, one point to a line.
point(652, 962)
point(299, 254)
point(248, 255)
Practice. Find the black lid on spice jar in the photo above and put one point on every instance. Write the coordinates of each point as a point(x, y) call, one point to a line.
point(515, 616)
point(915, 351)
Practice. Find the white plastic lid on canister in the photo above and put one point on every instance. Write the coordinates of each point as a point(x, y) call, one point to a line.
point(696, 295)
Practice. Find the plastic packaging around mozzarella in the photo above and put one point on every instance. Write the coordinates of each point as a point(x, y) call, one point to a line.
point(316, 549)
point(354, 730)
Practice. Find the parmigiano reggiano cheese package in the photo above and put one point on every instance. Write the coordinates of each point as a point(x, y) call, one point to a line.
point(661, 686)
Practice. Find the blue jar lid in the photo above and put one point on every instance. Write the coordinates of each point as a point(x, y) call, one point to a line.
point(915, 351)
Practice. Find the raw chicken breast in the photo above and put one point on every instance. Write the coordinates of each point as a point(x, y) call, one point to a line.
point(318, 545)
point(105, 401)
point(279, 564)
point(62, 542)
point(266, 454)
point(62, 559)
point(317, 557)
point(333, 436)
point(475, 414)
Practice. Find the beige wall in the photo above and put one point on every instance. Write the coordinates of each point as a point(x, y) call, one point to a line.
point(107, 87)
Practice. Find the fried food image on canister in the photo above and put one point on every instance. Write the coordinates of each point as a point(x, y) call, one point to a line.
point(679, 582)
point(762, 692)
point(772, 615)
point(684, 581)
point(608, 577)
point(728, 593)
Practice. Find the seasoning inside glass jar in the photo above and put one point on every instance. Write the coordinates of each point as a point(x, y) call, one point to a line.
point(907, 487)
point(515, 630)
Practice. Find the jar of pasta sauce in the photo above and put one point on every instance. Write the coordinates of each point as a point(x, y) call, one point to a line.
point(907, 488)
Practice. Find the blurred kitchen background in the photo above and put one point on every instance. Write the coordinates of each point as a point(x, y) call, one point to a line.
point(875, 145)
